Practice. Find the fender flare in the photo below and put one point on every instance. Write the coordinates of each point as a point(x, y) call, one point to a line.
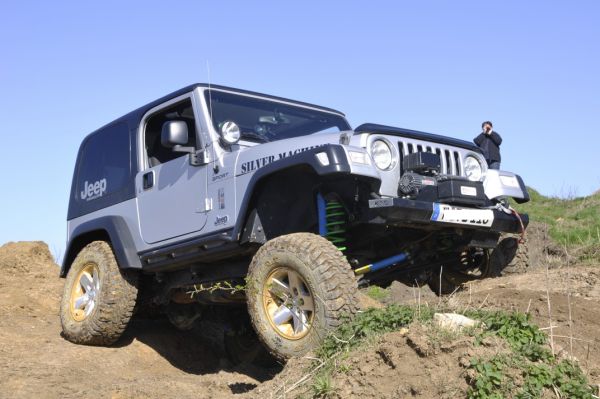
point(112, 227)
point(338, 164)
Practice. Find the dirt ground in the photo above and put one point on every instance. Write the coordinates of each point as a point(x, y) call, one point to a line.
point(155, 360)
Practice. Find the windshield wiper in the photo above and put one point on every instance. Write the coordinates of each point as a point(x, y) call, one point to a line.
point(255, 136)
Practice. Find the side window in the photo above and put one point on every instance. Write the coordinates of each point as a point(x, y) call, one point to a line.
point(104, 163)
point(156, 152)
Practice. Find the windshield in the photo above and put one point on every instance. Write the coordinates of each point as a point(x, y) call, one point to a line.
point(262, 120)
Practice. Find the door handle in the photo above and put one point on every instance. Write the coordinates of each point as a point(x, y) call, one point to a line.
point(148, 180)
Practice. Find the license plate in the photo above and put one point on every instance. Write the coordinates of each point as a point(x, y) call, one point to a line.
point(456, 215)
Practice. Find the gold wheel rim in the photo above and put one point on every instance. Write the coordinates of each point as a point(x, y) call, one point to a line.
point(288, 303)
point(84, 293)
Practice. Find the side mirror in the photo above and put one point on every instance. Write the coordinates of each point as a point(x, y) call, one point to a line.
point(174, 133)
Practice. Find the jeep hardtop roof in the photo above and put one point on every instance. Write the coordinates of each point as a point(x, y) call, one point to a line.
point(142, 110)
point(133, 118)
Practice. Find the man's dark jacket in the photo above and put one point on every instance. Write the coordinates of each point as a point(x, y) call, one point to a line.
point(490, 146)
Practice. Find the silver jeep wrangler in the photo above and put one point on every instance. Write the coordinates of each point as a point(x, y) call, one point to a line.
point(260, 211)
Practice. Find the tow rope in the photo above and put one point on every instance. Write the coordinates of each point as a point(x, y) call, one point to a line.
point(522, 238)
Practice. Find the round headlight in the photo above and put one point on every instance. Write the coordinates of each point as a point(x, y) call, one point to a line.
point(230, 132)
point(473, 169)
point(381, 154)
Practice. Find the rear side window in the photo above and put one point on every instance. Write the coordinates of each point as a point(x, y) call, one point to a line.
point(105, 163)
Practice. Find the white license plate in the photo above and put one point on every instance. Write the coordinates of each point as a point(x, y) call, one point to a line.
point(456, 215)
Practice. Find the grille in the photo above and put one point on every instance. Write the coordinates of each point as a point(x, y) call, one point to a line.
point(450, 158)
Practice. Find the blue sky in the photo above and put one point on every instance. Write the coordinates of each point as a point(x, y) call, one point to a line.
point(66, 68)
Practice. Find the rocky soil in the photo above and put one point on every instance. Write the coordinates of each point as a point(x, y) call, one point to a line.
point(155, 360)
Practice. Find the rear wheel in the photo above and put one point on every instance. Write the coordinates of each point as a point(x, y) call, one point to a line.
point(299, 288)
point(98, 297)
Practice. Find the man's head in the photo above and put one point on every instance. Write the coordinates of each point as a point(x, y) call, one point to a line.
point(487, 126)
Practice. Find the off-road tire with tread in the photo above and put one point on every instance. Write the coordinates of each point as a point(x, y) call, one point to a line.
point(327, 275)
point(115, 301)
point(509, 256)
point(445, 284)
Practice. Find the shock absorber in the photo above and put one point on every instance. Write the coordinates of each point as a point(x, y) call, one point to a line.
point(332, 221)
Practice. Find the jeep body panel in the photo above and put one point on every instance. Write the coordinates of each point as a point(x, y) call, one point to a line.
point(116, 228)
point(177, 212)
point(183, 204)
point(254, 163)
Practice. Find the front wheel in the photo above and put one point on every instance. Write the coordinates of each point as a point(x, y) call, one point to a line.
point(299, 288)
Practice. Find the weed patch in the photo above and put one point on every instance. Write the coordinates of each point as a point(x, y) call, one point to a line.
point(365, 325)
point(529, 369)
point(378, 293)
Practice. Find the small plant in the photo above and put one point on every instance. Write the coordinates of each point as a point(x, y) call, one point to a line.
point(365, 325)
point(538, 377)
point(322, 386)
point(570, 381)
point(378, 293)
point(437, 336)
point(490, 378)
point(518, 330)
point(228, 286)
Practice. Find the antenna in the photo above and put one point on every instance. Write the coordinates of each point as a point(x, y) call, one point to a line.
point(215, 164)
point(209, 92)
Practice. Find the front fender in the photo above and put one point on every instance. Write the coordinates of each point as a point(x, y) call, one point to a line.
point(323, 160)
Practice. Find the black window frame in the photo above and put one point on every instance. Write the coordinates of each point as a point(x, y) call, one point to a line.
point(194, 139)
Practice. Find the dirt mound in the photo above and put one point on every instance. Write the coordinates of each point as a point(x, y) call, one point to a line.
point(422, 361)
point(26, 257)
point(29, 281)
point(542, 249)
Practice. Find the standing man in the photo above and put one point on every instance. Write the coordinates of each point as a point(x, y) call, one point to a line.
point(489, 142)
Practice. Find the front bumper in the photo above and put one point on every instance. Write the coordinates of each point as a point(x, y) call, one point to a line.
point(399, 211)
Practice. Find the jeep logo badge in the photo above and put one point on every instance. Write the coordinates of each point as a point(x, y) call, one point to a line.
point(93, 190)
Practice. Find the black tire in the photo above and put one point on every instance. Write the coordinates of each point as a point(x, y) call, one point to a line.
point(508, 257)
point(183, 316)
point(111, 297)
point(244, 347)
point(444, 284)
point(473, 264)
point(317, 274)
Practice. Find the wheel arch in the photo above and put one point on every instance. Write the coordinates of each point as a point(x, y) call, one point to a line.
point(307, 166)
point(113, 230)
point(304, 163)
point(273, 192)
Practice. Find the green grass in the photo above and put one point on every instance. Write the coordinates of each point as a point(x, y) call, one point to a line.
point(366, 325)
point(573, 222)
point(378, 293)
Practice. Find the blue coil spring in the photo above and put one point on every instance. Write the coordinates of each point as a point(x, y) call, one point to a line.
point(336, 224)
